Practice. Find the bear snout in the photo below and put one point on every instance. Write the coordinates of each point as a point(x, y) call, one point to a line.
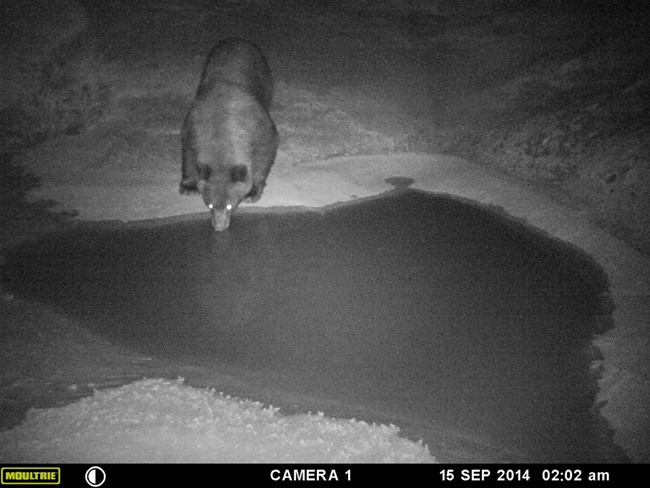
point(221, 218)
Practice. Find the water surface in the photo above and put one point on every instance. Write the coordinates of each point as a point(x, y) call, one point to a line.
point(417, 306)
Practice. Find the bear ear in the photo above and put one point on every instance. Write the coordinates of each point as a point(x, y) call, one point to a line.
point(238, 173)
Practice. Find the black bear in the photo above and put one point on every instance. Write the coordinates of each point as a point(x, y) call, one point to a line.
point(228, 139)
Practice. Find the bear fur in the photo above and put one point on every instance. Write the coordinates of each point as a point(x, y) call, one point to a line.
point(229, 140)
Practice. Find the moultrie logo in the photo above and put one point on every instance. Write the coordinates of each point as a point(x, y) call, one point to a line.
point(30, 476)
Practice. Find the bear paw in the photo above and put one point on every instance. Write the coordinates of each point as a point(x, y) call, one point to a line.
point(188, 189)
point(255, 194)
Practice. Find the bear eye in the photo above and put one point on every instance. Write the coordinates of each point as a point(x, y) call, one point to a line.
point(210, 206)
point(228, 207)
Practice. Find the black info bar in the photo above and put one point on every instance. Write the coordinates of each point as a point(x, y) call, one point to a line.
point(113, 475)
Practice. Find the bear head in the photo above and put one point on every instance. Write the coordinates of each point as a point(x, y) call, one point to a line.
point(222, 193)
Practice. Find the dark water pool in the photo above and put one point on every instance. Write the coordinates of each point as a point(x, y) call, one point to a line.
point(417, 306)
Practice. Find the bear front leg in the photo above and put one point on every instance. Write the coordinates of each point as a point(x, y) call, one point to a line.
point(255, 192)
point(190, 173)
